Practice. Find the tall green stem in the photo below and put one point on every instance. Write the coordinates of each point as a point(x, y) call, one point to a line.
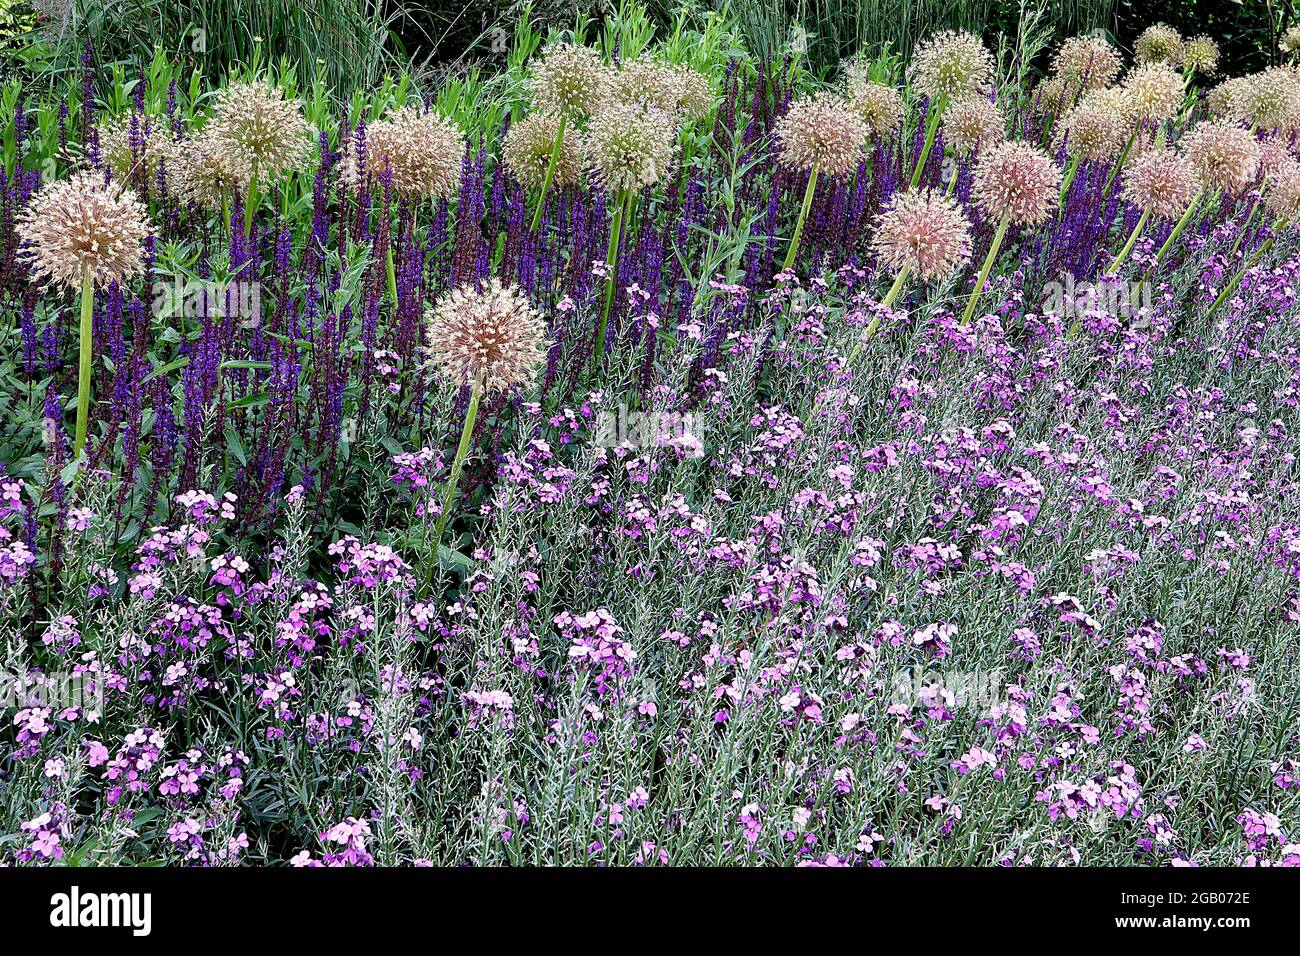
point(984, 270)
point(1119, 164)
point(798, 226)
point(86, 347)
point(251, 205)
point(931, 128)
point(611, 270)
point(1069, 178)
point(1183, 220)
point(550, 170)
point(392, 273)
point(1231, 287)
point(890, 296)
point(1250, 219)
point(466, 433)
point(1132, 238)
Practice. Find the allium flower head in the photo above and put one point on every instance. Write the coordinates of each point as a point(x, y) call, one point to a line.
point(1267, 100)
point(1095, 129)
point(1220, 100)
point(1054, 96)
point(1225, 155)
point(528, 146)
point(1290, 41)
point(820, 132)
point(629, 146)
point(568, 78)
point(952, 63)
point(1159, 44)
point(1201, 55)
point(422, 149)
point(673, 88)
point(81, 223)
point(1161, 182)
point(156, 147)
point(1283, 194)
point(1272, 155)
point(259, 129)
point(973, 123)
point(1017, 181)
point(879, 106)
point(924, 232)
point(202, 172)
point(1087, 63)
point(1153, 93)
point(492, 339)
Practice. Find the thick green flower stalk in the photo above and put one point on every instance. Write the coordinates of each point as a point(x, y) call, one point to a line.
point(81, 233)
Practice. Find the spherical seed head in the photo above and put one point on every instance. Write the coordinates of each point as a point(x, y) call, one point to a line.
point(923, 232)
point(821, 132)
point(568, 78)
point(1095, 129)
point(1054, 96)
point(1017, 181)
point(673, 88)
point(1267, 100)
point(492, 338)
point(1273, 154)
point(1161, 182)
point(1154, 93)
point(80, 223)
point(260, 129)
point(1087, 63)
point(1225, 155)
point(880, 107)
point(1159, 44)
point(952, 63)
point(973, 123)
point(1222, 98)
point(202, 171)
point(157, 141)
point(1290, 41)
point(629, 146)
point(1201, 55)
point(1283, 194)
point(527, 151)
point(422, 149)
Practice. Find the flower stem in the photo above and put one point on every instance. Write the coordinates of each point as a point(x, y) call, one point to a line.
point(798, 226)
point(1183, 220)
point(1231, 287)
point(931, 128)
point(250, 206)
point(611, 273)
point(984, 270)
point(392, 273)
point(1069, 178)
point(1250, 219)
point(550, 170)
point(1132, 238)
point(86, 348)
point(466, 433)
point(890, 296)
point(1119, 164)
